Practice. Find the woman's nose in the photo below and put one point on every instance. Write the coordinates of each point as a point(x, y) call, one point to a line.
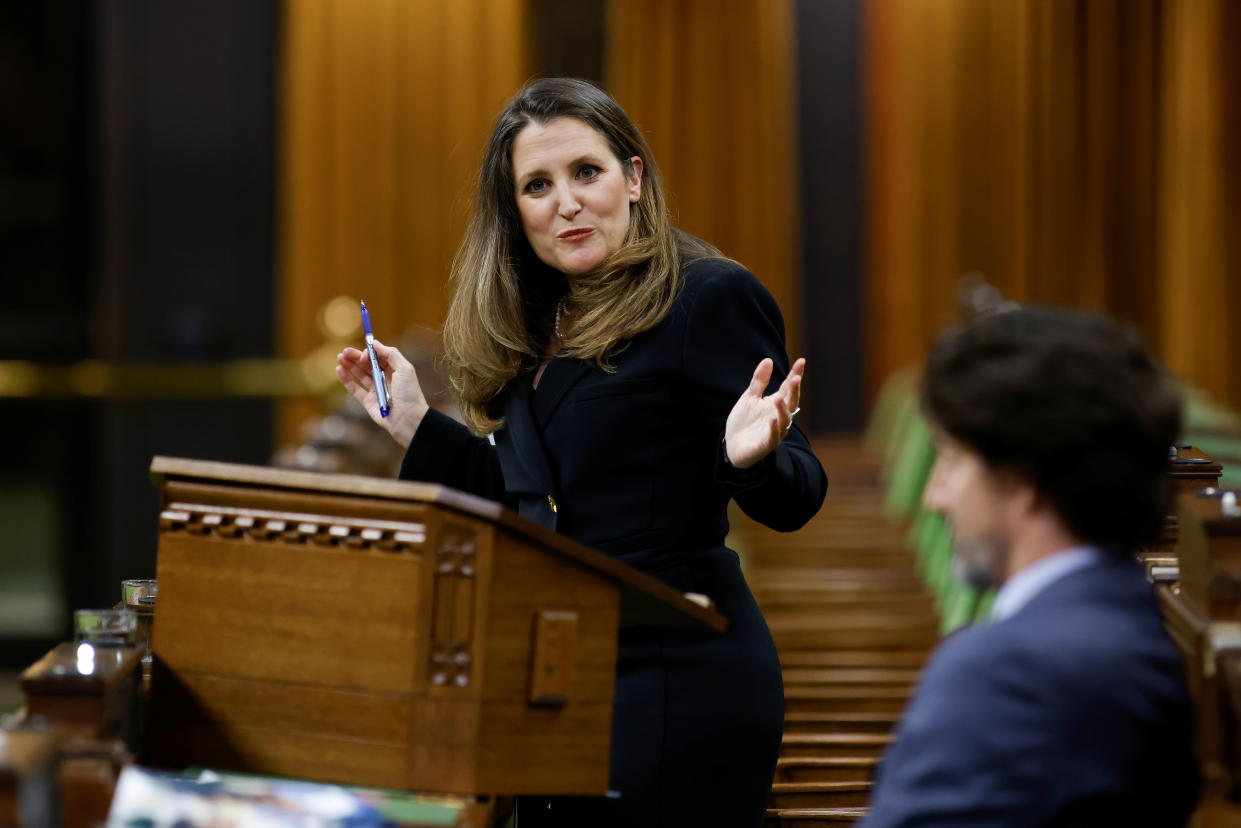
point(569, 206)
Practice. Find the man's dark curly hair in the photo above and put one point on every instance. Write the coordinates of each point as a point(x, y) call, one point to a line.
point(1072, 401)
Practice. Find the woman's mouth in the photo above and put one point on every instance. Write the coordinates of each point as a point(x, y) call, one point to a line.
point(575, 234)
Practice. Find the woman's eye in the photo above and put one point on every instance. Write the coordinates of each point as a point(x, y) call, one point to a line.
point(588, 171)
point(538, 185)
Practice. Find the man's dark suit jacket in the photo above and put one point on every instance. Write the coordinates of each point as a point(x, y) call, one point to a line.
point(1071, 712)
point(630, 463)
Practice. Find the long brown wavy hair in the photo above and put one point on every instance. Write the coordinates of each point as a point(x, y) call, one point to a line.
point(499, 321)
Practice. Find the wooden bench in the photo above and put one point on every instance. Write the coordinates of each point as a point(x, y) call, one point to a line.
point(853, 658)
point(848, 676)
point(847, 722)
point(823, 598)
point(812, 817)
point(855, 631)
point(785, 795)
point(834, 745)
point(825, 768)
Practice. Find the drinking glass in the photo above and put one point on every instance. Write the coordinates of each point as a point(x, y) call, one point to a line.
point(109, 627)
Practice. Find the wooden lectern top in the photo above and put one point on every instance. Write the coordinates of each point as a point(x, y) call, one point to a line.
point(644, 599)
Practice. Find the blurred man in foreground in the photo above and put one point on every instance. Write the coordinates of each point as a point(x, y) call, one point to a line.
point(1069, 706)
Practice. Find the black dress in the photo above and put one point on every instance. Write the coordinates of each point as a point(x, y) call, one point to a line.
point(632, 461)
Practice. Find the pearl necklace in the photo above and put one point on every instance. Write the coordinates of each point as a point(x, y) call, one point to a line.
point(556, 322)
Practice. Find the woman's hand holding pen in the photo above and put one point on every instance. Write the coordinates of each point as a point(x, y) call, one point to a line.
point(408, 405)
point(758, 424)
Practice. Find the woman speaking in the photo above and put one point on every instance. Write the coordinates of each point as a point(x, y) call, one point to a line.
point(622, 370)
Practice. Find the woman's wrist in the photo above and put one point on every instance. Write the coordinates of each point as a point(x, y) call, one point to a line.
point(404, 430)
point(728, 460)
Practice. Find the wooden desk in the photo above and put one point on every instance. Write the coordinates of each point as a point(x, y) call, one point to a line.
point(87, 691)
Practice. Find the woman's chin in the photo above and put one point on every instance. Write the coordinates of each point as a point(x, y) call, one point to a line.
point(578, 264)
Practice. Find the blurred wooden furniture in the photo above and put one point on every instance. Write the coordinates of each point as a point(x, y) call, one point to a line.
point(1191, 470)
point(1209, 549)
point(812, 817)
point(785, 795)
point(27, 778)
point(87, 691)
point(1203, 612)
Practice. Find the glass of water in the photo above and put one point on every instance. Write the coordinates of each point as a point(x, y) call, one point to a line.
point(135, 590)
point(109, 627)
point(138, 595)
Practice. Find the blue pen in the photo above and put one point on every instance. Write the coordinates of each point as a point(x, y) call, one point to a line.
point(377, 374)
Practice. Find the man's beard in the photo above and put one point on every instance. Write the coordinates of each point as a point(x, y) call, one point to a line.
point(983, 564)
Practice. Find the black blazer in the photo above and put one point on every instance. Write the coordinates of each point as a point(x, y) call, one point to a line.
point(630, 462)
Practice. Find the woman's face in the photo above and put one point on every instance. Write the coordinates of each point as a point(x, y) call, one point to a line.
point(573, 193)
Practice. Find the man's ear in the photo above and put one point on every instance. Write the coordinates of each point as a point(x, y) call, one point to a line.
point(1023, 496)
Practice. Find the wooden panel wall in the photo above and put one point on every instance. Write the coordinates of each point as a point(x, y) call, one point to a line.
point(712, 86)
point(1199, 207)
point(384, 109)
point(1072, 153)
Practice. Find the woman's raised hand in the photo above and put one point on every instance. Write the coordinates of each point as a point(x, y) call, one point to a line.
point(758, 424)
point(407, 404)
